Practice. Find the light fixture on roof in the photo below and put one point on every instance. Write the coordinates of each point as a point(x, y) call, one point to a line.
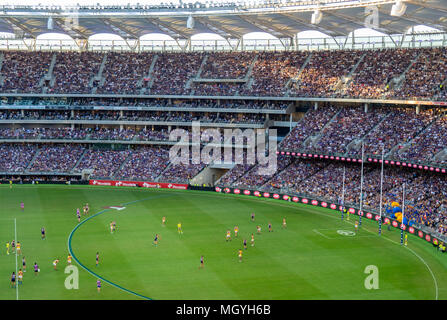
point(398, 9)
point(316, 17)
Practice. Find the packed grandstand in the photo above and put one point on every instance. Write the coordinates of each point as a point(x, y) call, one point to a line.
point(110, 113)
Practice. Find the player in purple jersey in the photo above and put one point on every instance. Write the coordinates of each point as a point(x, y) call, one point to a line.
point(98, 285)
point(78, 214)
point(36, 268)
point(97, 258)
point(42, 231)
point(22, 206)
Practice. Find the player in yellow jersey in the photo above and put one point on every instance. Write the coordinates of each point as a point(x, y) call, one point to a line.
point(252, 240)
point(228, 236)
point(69, 259)
point(111, 227)
point(20, 276)
point(163, 221)
point(356, 226)
point(55, 262)
point(284, 224)
point(7, 248)
point(19, 248)
point(10, 184)
point(258, 229)
point(179, 228)
point(240, 255)
point(236, 230)
point(406, 240)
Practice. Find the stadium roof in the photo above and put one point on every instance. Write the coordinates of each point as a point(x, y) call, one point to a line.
point(281, 18)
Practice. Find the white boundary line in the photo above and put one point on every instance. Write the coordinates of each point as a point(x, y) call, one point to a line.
point(15, 240)
point(420, 258)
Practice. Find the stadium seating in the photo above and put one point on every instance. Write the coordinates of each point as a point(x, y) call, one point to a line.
point(385, 73)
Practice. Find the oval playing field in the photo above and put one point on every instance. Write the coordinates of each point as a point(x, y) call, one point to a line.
point(316, 257)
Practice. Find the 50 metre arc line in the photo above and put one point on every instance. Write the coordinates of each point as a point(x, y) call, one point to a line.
point(70, 250)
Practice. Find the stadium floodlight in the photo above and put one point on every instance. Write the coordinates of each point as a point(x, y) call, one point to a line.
point(398, 9)
point(316, 17)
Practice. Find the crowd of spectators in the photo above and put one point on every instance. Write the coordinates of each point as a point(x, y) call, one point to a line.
point(273, 73)
point(18, 133)
point(400, 131)
point(144, 164)
point(15, 158)
point(124, 71)
point(104, 163)
point(376, 70)
point(22, 71)
point(227, 65)
point(217, 88)
point(181, 172)
point(56, 158)
point(400, 126)
point(73, 71)
point(172, 116)
point(350, 123)
point(425, 146)
point(423, 79)
point(293, 175)
point(173, 70)
point(311, 124)
point(61, 133)
point(323, 72)
point(261, 173)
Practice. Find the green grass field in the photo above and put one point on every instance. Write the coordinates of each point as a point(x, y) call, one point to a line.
point(308, 260)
